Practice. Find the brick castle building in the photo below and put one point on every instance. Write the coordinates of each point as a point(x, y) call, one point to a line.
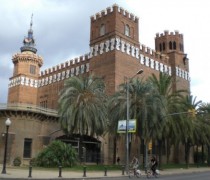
point(115, 53)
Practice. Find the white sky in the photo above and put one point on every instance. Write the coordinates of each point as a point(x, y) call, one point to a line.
point(62, 29)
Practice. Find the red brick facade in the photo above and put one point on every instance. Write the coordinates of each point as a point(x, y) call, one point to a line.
point(115, 53)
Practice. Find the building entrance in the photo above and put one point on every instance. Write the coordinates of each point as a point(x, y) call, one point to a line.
point(88, 147)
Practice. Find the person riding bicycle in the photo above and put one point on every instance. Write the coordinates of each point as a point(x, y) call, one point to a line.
point(134, 168)
point(135, 163)
point(154, 164)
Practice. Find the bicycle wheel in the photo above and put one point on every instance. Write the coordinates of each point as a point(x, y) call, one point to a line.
point(149, 174)
point(157, 174)
point(130, 174)
point(138, 173)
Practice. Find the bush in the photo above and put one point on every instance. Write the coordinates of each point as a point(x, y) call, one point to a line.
point(17, 161)
point(57, 153)
point(33, 162)
point(198, 157)
point(208, 161)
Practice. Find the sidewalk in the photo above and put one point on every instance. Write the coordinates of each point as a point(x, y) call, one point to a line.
point(17, 173)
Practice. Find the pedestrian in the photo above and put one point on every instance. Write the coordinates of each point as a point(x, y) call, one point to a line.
point(118, 160)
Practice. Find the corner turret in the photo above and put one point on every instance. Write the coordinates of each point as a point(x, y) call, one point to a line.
point(168, 42)
point(23, 85)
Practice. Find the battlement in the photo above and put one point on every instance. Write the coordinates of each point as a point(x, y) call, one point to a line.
point(152, 53)
point(25, 56)
point(167, 33)
point(65, 65)
point(115, 8)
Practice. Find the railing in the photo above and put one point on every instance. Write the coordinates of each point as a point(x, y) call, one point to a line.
point(28, 107)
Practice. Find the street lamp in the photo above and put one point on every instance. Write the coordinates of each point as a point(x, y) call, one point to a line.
point(127, 120)
point(7, 123)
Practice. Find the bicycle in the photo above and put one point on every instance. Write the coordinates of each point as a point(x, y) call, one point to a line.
point(134, 172)
point(133, 168)
point(150, 173)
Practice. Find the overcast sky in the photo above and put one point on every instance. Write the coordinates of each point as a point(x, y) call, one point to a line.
point(62, 32)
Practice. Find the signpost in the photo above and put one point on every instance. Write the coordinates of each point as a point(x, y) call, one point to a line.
point(121, 128)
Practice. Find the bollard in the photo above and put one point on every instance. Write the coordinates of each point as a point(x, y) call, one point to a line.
point(84, 171)
point(105, 171)
point(60, 170)
point(30, 171)
point(123, 170)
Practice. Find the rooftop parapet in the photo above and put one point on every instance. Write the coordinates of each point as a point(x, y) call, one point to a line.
point(65, 64)
point(114, 8)
point(167, 33)
point(152, 53)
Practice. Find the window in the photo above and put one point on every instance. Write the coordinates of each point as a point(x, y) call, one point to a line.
point(164, 47)
point(170, 45)
point(32, 69)
point(160, 47)
point(181, 47)
point(102, 30)
point(27, 148)
point(127, 30)
point(174, 45)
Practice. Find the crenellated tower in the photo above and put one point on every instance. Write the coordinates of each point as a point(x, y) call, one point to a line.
point(24, 82)
point(112, 30)
point(172, 44)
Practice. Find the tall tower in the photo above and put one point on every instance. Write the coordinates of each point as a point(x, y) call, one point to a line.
point(24, 82)
point(114, 35)
point(172, 44)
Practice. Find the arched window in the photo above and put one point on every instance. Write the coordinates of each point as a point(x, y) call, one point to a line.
point(181, 47)
point(127, 30)
point(102, 30)
point(170, 45)
point(160, 47)
point(174, 45)
point(164, 48)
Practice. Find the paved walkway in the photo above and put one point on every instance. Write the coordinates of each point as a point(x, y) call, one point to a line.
point(20, 173)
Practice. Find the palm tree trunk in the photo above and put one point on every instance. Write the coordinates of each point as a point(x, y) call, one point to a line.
point(167, 150)
point(114, 150)
point(203, 158)
point(160, 153)
point(176, 153)
point(80, 148)
point(187, 150)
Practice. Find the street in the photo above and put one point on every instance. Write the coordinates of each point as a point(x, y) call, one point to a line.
point(190, 176)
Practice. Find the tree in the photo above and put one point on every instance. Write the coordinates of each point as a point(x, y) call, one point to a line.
point(139, 108)
point(191, 129)
point(203, 114)
point(167, 103)
point(82, 106)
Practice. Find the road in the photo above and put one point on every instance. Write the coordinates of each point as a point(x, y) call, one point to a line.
point(190, 176)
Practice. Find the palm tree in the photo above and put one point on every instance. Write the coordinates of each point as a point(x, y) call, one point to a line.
point(139, 95)
point(204, 117)
point(167, 103)
point(82, 106)
point(191, 128)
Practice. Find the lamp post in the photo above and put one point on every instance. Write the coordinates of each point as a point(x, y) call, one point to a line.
point(127, 119)
point(7, 123)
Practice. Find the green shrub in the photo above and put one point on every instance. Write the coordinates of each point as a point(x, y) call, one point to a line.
point(33, 162)
point(198, 157)
point(208, 161)
point(17, 161)
point(57, 153)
